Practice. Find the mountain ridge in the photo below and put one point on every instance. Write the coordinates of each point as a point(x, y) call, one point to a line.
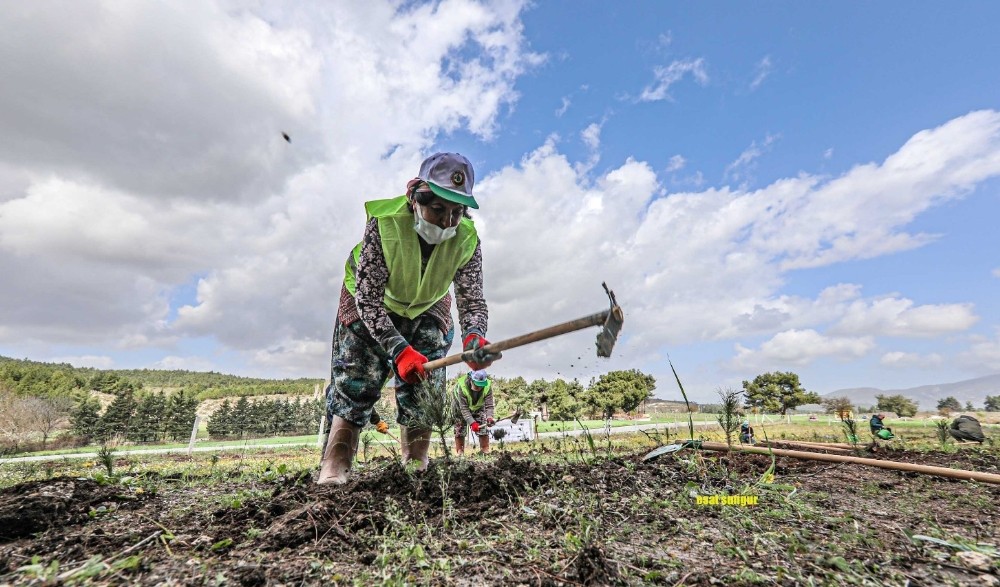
point(968, 390)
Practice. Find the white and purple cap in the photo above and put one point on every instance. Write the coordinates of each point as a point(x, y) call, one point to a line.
point(450, 176)
point(478, 378)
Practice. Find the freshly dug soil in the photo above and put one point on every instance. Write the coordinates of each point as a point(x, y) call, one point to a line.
point(515, 520)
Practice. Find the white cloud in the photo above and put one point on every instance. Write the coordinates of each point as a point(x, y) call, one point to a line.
point(148, 168)
point(842, 311)
point(740, 169)
point(983, 354)
point(761, 71)
point(671, 74)
point(92, 361)
point(900, 317)
point(828, 154)
point(99, 98)
point(676, 163)
point(205, 223)
point(563, 107)
point(996, 272)
point(695, 180)
point(708, 265)
point(175, 363)
point(901, 360)
point(87, 223)
point(800, 347)
point(591, 136)
point(293, 357)
point(861, 213)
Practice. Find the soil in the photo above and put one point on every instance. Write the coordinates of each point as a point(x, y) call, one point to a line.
point(515, 519)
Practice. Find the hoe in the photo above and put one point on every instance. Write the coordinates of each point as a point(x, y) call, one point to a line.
point(610, 321)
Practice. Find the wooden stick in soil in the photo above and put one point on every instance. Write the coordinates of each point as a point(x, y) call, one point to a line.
point(804, 446)
point(895, 465)
point(818, 444)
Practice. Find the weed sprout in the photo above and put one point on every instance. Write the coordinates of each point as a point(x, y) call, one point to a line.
point(435, 412)
point(106, 456)
point(729, 418)
point(942, 431)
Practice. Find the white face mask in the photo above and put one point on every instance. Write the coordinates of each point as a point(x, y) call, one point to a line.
point(431, 233)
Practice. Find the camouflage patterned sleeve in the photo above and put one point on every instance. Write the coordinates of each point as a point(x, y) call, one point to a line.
point(372, 275)
point(472, 313)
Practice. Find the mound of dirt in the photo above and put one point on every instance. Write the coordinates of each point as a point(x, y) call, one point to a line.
point(512, 520)
point(313, 512)
point(33, 507)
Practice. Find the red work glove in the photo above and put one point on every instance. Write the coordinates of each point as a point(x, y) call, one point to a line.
point(475, 427)
point(410, 365)
point(490, 421)
point(471, 343)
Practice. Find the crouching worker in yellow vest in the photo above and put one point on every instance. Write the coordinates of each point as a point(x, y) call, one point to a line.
point(473, 409)
point(395, 309)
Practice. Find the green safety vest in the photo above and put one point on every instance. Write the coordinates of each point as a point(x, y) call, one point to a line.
point(474, 406)
point(412, 288)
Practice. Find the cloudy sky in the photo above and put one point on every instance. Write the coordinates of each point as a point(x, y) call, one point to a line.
point(784, 186)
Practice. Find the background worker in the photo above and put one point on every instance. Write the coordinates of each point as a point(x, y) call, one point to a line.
point(395, 308)
point(376, 421)
point(967, 429)
point(746, 432)
point(473, 409)
point(879, 428)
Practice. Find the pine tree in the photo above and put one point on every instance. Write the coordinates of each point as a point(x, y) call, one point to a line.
point(318, 412)
point(298, 416)
point(150, 415)
point(118, 417)
point(259, 418)
point(182, 409)
point(241, 417)
point(220, 422)
point(86, 418)
point(285, 417)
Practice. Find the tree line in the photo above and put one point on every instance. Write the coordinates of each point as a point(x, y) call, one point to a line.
point(903, 406)
point(32, 378)
point(37, 400)
point(781, 391)
point(277, 417)
point(611, 393)
point(135, 416)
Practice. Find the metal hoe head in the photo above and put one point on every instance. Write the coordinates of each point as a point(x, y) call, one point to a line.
point(513, 417)
point(608, 335)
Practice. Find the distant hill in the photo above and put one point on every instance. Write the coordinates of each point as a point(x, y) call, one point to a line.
point(927, 396)
point(26, 377)
point(655, 404)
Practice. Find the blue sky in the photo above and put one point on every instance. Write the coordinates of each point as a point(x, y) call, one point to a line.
point(809, 187)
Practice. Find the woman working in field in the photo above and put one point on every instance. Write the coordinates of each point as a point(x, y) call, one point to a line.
point(395, 308)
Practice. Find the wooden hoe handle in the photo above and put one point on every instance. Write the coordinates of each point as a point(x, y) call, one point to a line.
point(537, 335)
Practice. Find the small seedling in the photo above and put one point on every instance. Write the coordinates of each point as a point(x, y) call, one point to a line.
point(590, 438)
point(941, 427)
point(850, 426)
point(435, 412)
point(106, 456)
point(729, 418)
